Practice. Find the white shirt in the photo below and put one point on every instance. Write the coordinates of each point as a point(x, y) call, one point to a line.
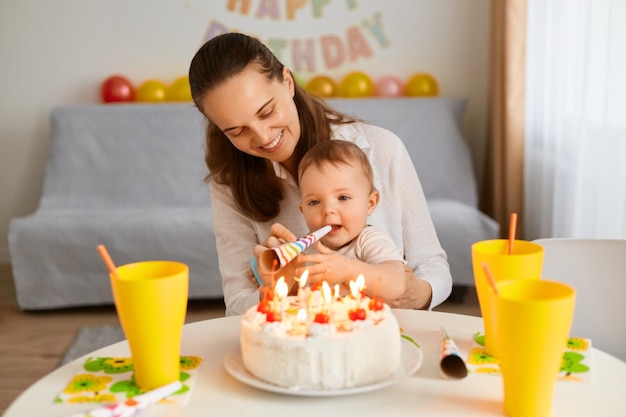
point(402, 213)
point(372, 246)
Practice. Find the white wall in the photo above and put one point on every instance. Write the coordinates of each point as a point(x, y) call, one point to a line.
point(58, 52)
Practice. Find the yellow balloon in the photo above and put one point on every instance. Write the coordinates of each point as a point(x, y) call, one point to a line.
point(421, 84)
point(179, 90)
point(356, 84)
point(322, 86)
point(152, 91)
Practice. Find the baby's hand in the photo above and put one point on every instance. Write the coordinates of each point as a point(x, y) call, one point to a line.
point(328, 265)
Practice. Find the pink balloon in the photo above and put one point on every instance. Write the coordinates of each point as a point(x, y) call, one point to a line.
point(389, 86)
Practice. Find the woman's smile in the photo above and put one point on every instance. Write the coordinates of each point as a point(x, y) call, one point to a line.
point(273, 145)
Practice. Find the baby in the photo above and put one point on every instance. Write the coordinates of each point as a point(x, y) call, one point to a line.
point(337, 188)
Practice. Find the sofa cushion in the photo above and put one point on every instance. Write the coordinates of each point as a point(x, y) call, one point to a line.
point(126, 156)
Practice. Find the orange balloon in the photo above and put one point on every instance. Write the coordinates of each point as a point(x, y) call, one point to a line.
point(322, 86)
point(179, 90)
point(356, 84)
point(421, 84)
point(152, 91)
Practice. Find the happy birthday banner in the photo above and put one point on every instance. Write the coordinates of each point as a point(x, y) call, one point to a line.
point(312, 54)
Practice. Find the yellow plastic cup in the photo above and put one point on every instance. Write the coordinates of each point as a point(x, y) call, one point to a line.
point(533, 319)
point(151, 302)
point(526, 261)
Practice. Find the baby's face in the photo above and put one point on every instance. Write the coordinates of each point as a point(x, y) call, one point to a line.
point(338, 195)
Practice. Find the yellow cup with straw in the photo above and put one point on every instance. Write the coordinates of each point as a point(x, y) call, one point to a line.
point(507, 259)
point(151, 302)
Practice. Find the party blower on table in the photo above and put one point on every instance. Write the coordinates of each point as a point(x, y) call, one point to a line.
point(451, 363)
point(275, 258)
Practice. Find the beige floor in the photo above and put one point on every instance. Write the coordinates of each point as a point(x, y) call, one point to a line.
point(32, 343)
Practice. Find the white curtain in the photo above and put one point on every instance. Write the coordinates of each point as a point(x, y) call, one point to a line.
point(575, 128)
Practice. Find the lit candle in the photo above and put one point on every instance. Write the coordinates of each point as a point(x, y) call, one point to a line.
point(327, 297)
point(326, 293)
point(302, 319)
point(360, 284)
point(281, 289)
point(280, 293)
point(301, 315)
point(303, 278)
point(302, 291)
point(327, 302)
point(356, 289)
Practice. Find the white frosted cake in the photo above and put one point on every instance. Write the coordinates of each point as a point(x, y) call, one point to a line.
point(311, 345)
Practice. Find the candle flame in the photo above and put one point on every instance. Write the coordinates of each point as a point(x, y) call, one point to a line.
point(303, 278)
point(281, 290)
point(326, 293)
point(360, 282)
point(354, 290)
point(301, 315)
point(336, 295)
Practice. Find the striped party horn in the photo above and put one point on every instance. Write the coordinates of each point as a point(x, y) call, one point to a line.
point(285, 253)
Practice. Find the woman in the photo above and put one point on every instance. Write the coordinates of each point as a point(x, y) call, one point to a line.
point(261, 123)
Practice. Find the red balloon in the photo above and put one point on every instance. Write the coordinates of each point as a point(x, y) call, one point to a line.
point(117, 88)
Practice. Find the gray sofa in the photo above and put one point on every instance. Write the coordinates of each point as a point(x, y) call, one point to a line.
point(130, 176)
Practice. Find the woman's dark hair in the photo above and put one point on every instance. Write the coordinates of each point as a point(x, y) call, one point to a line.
point(255, 187)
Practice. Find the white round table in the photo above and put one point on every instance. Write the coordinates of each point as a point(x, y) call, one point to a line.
point(425, 393)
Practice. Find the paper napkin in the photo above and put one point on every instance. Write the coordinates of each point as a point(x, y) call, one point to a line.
point(576, 364)
point(111, 380)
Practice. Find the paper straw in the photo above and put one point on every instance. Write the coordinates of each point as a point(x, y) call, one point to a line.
point(492, 281)
point(134, 404)
point(512, 230)
point(275, 258)
point(107, 260)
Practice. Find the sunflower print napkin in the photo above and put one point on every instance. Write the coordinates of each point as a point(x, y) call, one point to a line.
point(111, 380)
point(576, 364)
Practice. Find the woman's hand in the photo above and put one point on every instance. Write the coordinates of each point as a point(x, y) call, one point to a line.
point(279, 235)
point(417, 295)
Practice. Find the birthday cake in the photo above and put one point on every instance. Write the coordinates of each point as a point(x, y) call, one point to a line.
point(308, 342)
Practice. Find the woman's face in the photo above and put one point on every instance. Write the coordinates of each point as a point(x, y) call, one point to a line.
point(258, 116)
